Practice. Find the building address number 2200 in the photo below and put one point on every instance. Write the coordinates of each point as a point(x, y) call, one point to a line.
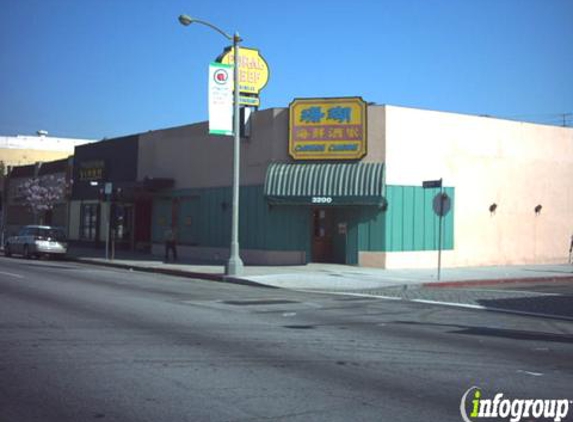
point(321, 200)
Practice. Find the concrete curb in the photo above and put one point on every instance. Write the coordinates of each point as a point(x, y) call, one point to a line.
point(493, 282)
point(246, 282)
point(221, 278)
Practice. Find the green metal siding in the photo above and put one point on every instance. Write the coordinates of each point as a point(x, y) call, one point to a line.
point(205, 210)
point(346, 245)
point(204, 219)
point(187, 220)
point(272, 227)
point(261, 226)
point(214, 214)
point(371, 229)
point(409, 223)
point(161, 218)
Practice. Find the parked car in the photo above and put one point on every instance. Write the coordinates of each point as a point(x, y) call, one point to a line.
point(35, 241)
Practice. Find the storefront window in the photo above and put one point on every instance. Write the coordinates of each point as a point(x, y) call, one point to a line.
point(88, 221)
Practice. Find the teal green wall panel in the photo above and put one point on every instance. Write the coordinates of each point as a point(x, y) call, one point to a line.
point(187, 220)
point(204, 219)
point(346, 245)
point(161, 217)
point(371, 223)
point(408, 224)
point(449, 234)
point(409, 201)
point(430, 220)
point(272, 227)
point(418, 221)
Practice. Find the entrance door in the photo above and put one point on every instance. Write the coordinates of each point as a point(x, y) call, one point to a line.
point(124, 225)
point(322, 235)
point(143, 212)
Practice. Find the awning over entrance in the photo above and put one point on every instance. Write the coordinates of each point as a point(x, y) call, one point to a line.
point(325, 184)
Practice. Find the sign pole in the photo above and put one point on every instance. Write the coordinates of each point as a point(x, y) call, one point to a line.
point(107, 224)
point(108, 189)
point(441, 207)
point(235, 264)
point(440, 225)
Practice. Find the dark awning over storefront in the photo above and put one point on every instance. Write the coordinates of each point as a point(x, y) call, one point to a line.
point(325, 184)
point(142, 189)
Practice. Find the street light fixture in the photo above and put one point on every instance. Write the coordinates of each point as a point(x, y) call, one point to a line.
point(235, 264)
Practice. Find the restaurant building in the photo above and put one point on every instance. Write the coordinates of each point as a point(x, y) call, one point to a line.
point(341, 181)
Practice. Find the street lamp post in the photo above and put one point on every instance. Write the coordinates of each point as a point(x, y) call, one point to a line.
point(235, 264)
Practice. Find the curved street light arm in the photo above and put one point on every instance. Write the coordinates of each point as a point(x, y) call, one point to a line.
point(187, 20)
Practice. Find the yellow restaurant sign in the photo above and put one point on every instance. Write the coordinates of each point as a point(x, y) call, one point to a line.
point(327, 129)
point(253, 69)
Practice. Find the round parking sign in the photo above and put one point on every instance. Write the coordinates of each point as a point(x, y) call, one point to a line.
point(442, 204)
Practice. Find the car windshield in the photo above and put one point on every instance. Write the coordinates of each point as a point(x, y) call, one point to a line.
point(52, 234)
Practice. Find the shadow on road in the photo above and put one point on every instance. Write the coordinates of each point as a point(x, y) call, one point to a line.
point(557, 305)
point(498, 332)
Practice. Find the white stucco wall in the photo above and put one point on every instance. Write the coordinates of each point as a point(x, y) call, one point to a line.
point(513, 164)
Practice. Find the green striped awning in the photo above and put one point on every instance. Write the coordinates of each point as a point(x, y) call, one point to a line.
point(325, 184)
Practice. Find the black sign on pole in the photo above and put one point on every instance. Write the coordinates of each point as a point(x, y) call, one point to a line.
point(429, 184)
point(442, 204)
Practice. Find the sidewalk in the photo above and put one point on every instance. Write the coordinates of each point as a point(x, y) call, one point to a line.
point(331, 277)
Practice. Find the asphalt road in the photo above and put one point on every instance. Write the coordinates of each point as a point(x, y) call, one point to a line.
point(81, 343)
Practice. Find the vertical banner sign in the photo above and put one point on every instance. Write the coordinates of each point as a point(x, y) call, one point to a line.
point(220, 99)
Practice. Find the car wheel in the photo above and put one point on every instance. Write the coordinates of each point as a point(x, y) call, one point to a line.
point(26, 252)
point(7, 251)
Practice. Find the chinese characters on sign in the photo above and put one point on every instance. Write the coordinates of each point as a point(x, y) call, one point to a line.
point(327, 129)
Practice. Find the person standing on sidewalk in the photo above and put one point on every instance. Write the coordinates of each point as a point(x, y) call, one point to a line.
point(571, 251)
point(170, 243)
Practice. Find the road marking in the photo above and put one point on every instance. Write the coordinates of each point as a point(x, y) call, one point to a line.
point(533, 374)
point(450, 304)
point(488, 308)
point(12, 274)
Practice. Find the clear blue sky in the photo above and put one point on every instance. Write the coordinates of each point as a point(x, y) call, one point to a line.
point(106, 68)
